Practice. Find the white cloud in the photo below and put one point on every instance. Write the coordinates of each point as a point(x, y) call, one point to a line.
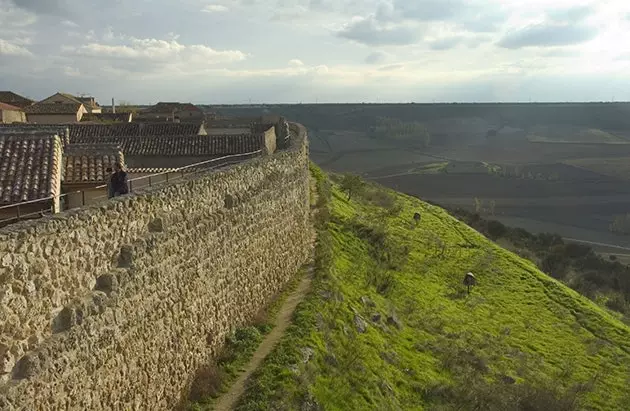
point(9, 48)
point(296, 63)
point(155, 50)
point(215, 8)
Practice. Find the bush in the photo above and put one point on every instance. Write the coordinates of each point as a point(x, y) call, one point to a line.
point(207, 383)
point(382, 279)
point(496, 229)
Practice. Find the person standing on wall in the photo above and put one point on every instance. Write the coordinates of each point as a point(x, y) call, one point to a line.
point(110, 187)
point(119, 181)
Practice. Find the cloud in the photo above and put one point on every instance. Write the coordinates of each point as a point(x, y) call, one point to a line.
point(296, 63)
point(51, 7)
point(376, 57)
point(137, 55)
point(371, 32)
point(392, 67)
point(548, 35)
point(446, 43)
point(215, 8)
point(572, 14)
point(430, 10)
point(8, 48)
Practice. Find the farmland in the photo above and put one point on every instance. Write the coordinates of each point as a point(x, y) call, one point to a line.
point(548, 167)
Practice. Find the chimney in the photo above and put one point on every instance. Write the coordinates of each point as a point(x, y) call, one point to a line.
point(113, 106)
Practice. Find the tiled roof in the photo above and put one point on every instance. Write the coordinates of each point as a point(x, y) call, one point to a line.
point(181, 145)
point(37, 129)
point(29, 167)
point(9, 107)
point(79, 132)
point(120, 117)
point(75, 99)
point(88, 102)
point(87, 163)
point(53, 108)
point(13, 99)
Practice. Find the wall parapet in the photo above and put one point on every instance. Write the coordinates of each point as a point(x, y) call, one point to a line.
point(114, 305)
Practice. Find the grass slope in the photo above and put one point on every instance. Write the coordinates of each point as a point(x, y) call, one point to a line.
point(388, 325)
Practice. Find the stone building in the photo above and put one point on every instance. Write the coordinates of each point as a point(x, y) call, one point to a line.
point(55, 113)
point(11, 114)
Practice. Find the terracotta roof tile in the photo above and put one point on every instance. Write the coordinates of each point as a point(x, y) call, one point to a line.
point(53, 108)
point(37, 129)
point(13, 99)
point(82, 131)
point(182, 145)
point(119, 117)
point(29, 167)
point(88, 163)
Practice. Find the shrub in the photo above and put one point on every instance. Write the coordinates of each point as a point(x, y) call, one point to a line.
point(382, 279)
point(207, 383)
point(496, 229)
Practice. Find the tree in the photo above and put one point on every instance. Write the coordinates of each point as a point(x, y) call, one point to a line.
point(478, 205)
point(351, 184)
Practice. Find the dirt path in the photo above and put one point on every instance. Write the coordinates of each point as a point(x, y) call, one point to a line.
point(227, 401)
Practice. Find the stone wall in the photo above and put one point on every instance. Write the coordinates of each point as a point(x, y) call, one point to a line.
point(116, 306)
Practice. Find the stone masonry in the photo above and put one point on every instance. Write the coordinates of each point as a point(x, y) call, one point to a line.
point(116, 306)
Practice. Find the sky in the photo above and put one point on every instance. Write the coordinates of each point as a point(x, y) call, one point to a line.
point(326, 51)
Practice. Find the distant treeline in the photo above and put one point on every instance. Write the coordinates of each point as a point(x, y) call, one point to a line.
point(394, 129)
point(360, 117)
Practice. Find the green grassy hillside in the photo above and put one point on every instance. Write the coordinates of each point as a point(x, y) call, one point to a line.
point(389, 325)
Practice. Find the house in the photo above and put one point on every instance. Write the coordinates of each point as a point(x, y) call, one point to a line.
point(84, 172)
point(55, 113)
point(90, 104)
point(11, 114)
point(108, 117)
point(173, 111)
point(9, 97)
point(30, 171)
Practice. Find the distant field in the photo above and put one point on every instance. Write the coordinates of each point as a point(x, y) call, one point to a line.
point(566, 134)
point(613, 166)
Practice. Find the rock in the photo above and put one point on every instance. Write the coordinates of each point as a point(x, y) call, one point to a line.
point(26, 367)
point(65, 320)
point(376, 317)
point(360, 323)
point(7, 360)
point(393, 320)
point(156, 226)
point(106, 283)
point(307, 354)
point(506, 379)
point(125, 259)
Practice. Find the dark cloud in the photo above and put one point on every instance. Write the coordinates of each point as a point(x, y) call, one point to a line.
point(50, 7)
point(548, 35)
point(373, 33)
point(446, 43)
point(376, 57)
